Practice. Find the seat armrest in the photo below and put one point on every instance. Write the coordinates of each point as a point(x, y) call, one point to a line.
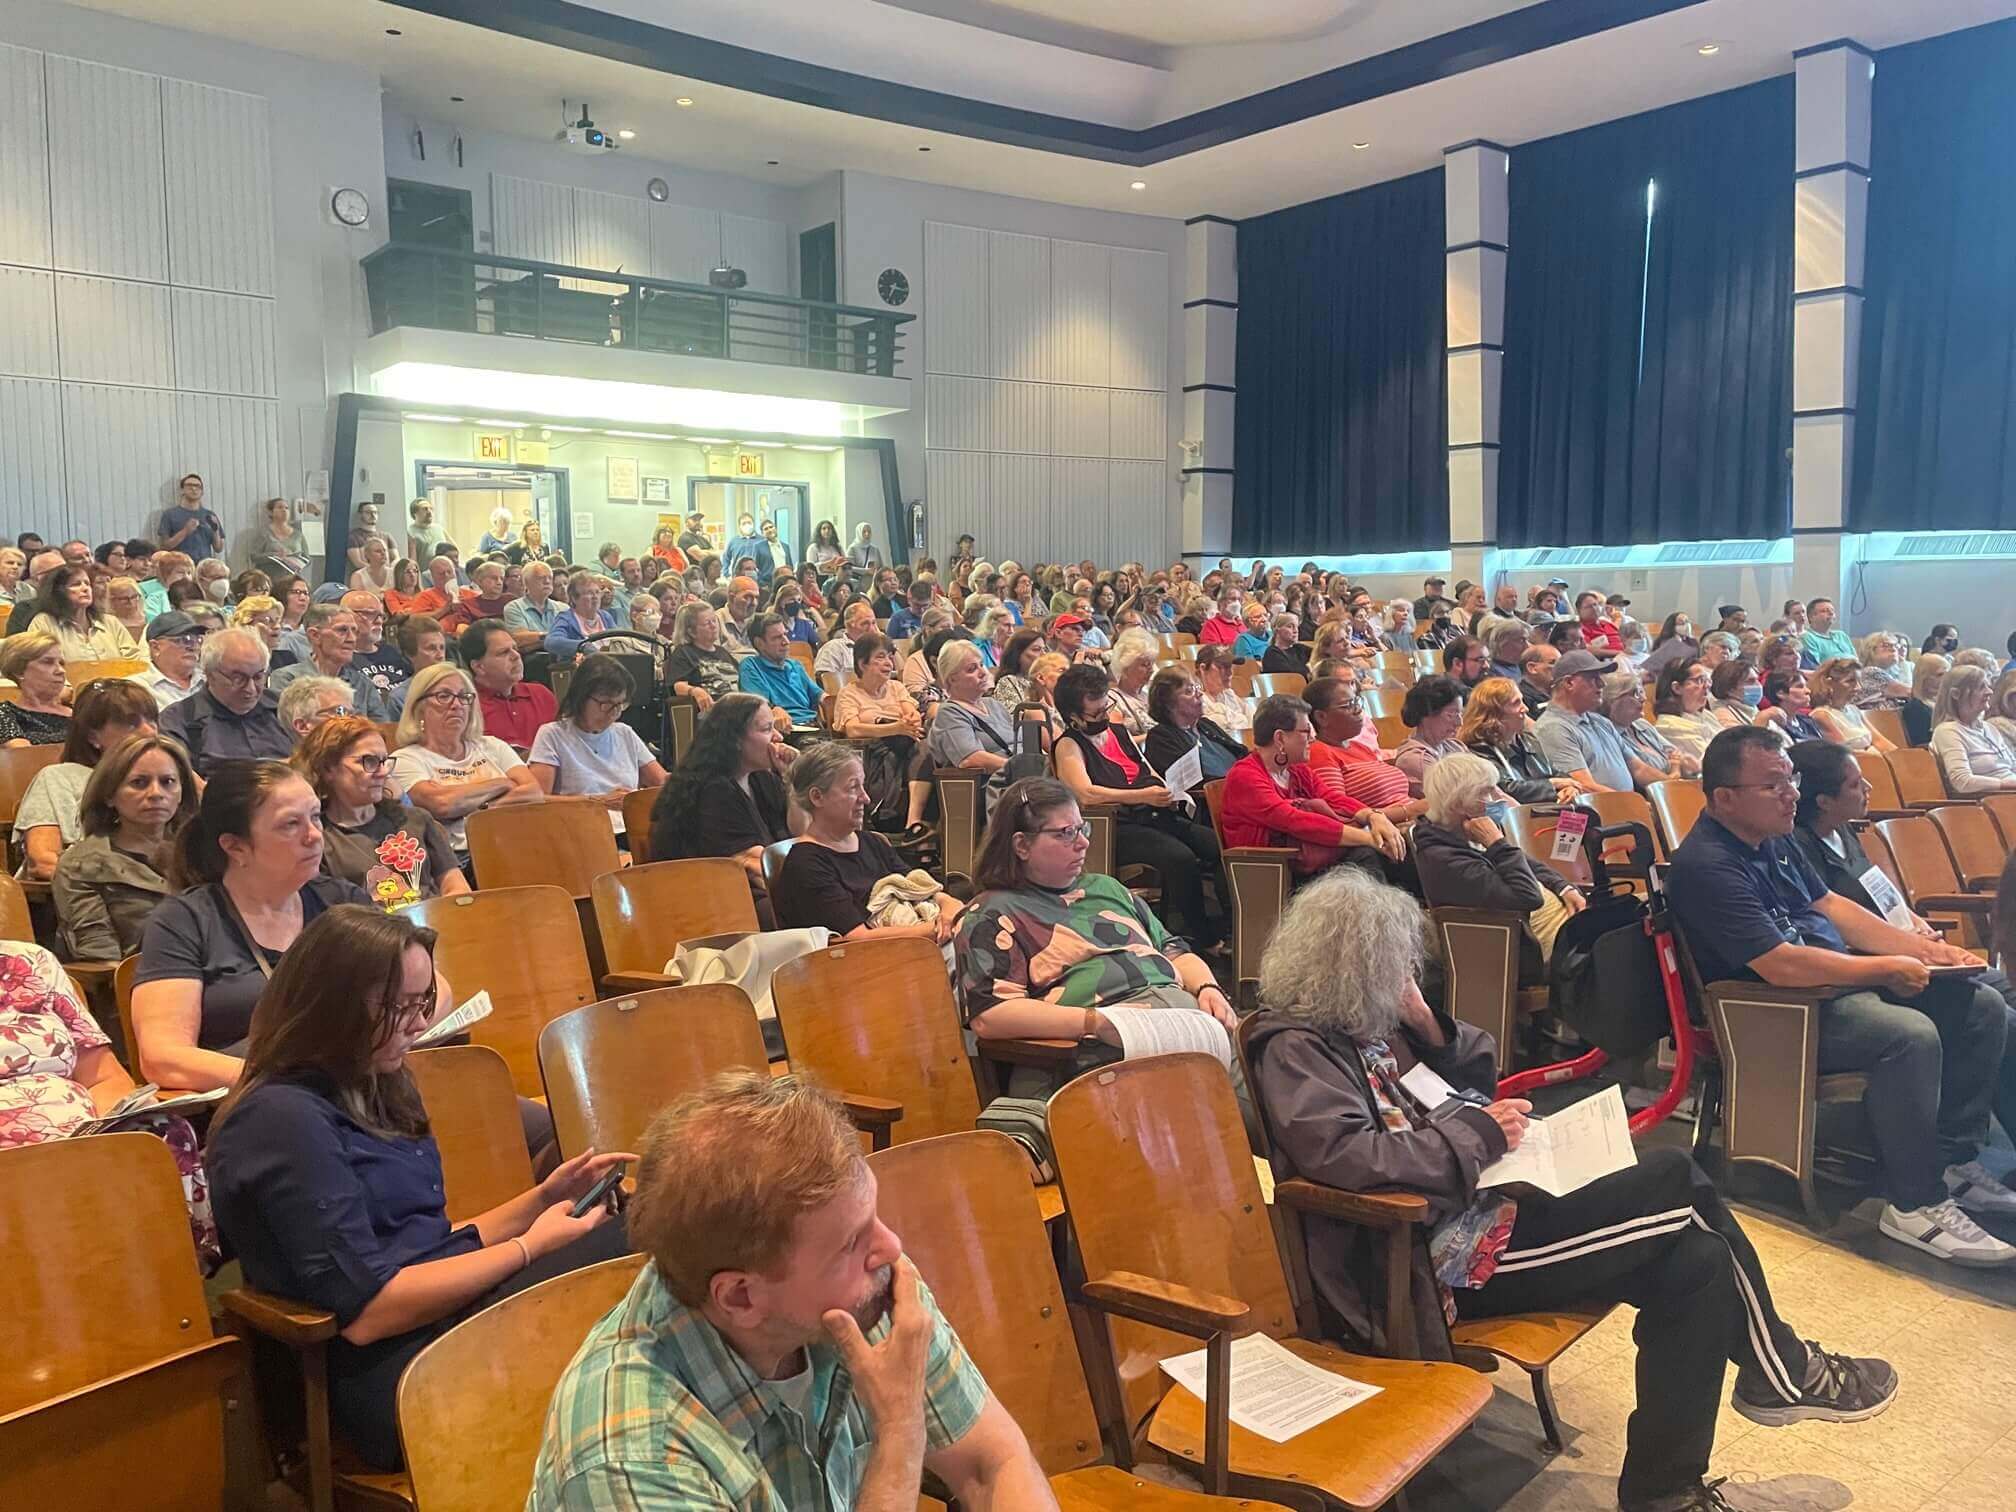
point(1974, 903)
point(281, 1318)
point(1382, 1210)
point(1164, 1304)
point(871, 1112)
point(1028, 1052)
point(1812, 997)
point(615, 983)
point(1279, 853)
point(91, 974)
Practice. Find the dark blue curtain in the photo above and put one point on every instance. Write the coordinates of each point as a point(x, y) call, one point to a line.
point(1935, 422)
point(1340, 423)
point(1648, 395)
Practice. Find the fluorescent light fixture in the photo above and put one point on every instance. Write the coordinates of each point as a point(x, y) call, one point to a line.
point(684, 102)
point(765, 445)
point(609, 400)
point(1138, 184)
point(503, 424)
point(578, 430)
point(798, 447)
point(640, 435)
point(439, 419)
point(1709, 49)
point(710, 440)
point(627, 135)
point(1360, 146)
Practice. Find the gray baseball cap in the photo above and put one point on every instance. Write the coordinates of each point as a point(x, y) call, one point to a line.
point(1577, 663)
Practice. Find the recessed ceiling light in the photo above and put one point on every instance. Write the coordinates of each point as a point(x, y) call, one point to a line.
point(1709, 49)
point(770, 162)
point(923, 149)
point(627, 135)
point(1138, 184)
point(437, 419)
point(393, 31)
point(684, 102)
point(1360, 146)
point(454, 99)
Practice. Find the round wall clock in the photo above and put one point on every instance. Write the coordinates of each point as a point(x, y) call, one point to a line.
point(893, 286)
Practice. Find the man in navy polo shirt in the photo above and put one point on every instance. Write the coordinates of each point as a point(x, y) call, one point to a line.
point(1752, 908)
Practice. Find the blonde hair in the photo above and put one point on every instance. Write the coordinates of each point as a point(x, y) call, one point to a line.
point(252, 607)
point(1839, 678)
point(17, 651)
point(424, 682)
point(1926, 674)
point(1960, 683)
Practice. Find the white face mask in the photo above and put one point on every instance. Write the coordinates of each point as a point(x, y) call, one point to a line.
point(217, 590)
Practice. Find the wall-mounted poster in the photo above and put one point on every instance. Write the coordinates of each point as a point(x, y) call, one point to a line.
point(657, 490)
point(622, 477)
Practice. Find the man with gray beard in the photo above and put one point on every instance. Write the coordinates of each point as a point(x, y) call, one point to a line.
point(1342, 1028)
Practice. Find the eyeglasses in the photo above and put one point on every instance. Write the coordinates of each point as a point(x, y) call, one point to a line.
point(418, 1005)
point(373, 765)
point(232, 679)
point(1781, 785)
point(1082, 830)
point(611, 705)
point(446, 696)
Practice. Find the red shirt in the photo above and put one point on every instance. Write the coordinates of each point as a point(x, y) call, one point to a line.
point(1219, 631)
point(1256, 812)
point(1602, 638)
point(428, 601)
point(515, 717)
point(470, 609)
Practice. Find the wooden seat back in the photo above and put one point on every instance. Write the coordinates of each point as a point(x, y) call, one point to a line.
point(1480, 954)
point(637, 808)
point(2001, 807)
point(1243, 673)
point(1676, 804)
point(110, 1374)
point(773, 861)
point(563, 842)
point(611, 1066)
point(1889, 724)
point(16, 923)
point(523, 946)
point(1973, 842)
point(1158, 1179)
point(682, 717)
point(1267, 684)
point(801, 653)
point(1613, 809)
point(961, 811)
point(1533, 827)
point(18, 767)
point(876, 1017)
point(472, 1405)
point(1924, 865)
point(969, 1221)
point(1379, 704)
point(1878, 851)
point(473, 1111)
point(1882, 780)
point(1917, 772)
point(1393, 731)
point(82, 672)
point(644, 912)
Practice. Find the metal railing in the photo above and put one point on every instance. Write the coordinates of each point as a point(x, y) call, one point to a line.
point(439, 289)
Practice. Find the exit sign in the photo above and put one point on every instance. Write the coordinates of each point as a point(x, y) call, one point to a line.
point(749, 465)
point(493, 446)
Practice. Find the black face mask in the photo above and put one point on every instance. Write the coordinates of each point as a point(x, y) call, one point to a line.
point(1951, 643)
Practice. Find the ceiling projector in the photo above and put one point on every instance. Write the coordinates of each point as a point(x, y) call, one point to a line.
point(585, 136)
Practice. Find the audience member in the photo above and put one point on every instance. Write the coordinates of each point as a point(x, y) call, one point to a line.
point(233, 716)
point(971, 729)
point(1928, 673)
point(1176, 704)
point(174, 650)
point(28, 603)
point(331, 631)
point(279, 547)
point(67, 608)
point(1788, 703)
point(440, 594)
point(1011, 677)
point(445, 762)
point(1133, 660)
point(1494, 728)
point(1822, 639)
point(588, 751)
point(107, 884)
point(188, 525)
point(1738, 692)
point(727, 797)
point(876, 706)
point(1222, 701)
point(1284, 651)
point(377, 658)
point(1837, 689)
point(1433, 712)
point(1536, 677)
point(47, 820)
point(1886, 672)
point(37, 715)
point(701, 667)
point(584, 616)
point(1576, 737)
point(1624, 706)
point(828, 877)
point(345, 762)
point(362, 534)
point(1273, 797)
point(1681, 699)
point(422, 644)
point(531, 617)
point(512, 709)
point(1465, 660)
point(1346, 752)
point(307, 701)
point(777, 677)
point(1974, 757)
point(404, 593)
point(836, 657)
point(485, 599)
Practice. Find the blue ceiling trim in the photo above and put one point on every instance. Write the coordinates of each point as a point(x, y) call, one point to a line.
point(622, 39)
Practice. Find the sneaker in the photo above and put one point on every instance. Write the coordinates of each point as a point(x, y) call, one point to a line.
point(1838, 1389)
point(1944, 1232)
point(1975, 1189)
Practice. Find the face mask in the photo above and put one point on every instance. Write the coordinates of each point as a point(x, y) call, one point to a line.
point(1754, 695)
point(1951, 643)
point(1499, 814)
point(216, 589)
point(1635, 648)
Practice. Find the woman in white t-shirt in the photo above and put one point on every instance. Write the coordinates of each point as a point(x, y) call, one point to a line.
point(445, 764)
point(588, 751)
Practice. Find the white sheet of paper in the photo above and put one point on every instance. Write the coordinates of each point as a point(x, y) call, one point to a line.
point(1168, 1031)
point(1274, 1393)
point(474, 1011)
point(1567, 1151)
point(1568, 832)
point(312, 535)
point(1186, 771)
point(1426, 1083)
point(1889, 902)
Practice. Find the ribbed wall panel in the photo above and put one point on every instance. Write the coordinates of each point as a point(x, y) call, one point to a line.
point(1019, 417)
point(31, 460)
point(685, 242)
point(224, 344)
point(1138, 510)
point(1080, 423)
point(109, 331)
point(219, 160)
point(119, 454)
point(955, 300)
point(960, 494)
point(956, 413)
point(1022, 514)
point(612, 231)
point(1140, 325)
point(532, 219)
point(235, 444)
point(1079, 511)
point(1081, 313)
point(757, 247)
point(1140, 424)
point(1018, 306)
point(27, 323)
point(107, 192)
point(24, 159)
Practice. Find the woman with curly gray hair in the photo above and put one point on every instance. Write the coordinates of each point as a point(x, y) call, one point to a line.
point(1338, 1055)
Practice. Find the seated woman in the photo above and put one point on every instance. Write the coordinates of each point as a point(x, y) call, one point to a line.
point(1624, 705)
point(1789, 701)
point(1738, 692)
point(1135, 656)
point(701, 667)
point(1011, 681)
point(108, 884)
point(1465, 861)
point(1680, 699)
point(68, 608)
point(1837, 684)
point(1346, 750)
point(1433, 710)
point(828, 877)
point(327, 1180)
point(344, 761)
point(1885, 679)
point(1273, 797)
point(971, 729)
point(1099, 762)
point(48, 820)
point(920, 654)
point(57, 1072)
point(1046, 945)
point(1176, 703)
point(1973, 756)
point(646, 620)
point(2002, 707)
point(445, 764)
point(1928, 673)
point(1043, 675)
point(1222, 702)
point(33, 662)
point(247, 869)
point(726, 797)
point(1285, 652)
point(588, 752)
point(1344, 1022)
point(1494, 727)
point(876, 706)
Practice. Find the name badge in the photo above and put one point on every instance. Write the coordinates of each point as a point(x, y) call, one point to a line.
point(1889, 902)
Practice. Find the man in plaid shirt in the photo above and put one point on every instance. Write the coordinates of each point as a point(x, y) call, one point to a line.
point(779, 1353)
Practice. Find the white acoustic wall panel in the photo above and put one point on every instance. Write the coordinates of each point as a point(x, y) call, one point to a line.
point(758, 248)
point(1080, 422)
point(24, 159)
point(1140, 424)
point(1018, 305)
point(219, 162)
point(27, 322)
point(31, 462)
point(1138, 510)
point(958, 492)
point(956, 413)
point(1079, 511)
point(532, 219)
point(955, 300)
point(1082, 313)
point(111, 331)
point(1019, 418)
point(1021, 505)
point(685, 242)
point(224, 343)
point(118, 451)
point(236, 441)
point(107, 195)
point(1140, 325)
point(612, 231)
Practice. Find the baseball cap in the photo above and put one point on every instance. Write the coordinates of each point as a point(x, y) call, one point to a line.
point(171, 623)
point(1618, 599)
point(1433, 582)
point(1577, 663)
point(1067, 620)
point(696, 514)
point(1555, 582)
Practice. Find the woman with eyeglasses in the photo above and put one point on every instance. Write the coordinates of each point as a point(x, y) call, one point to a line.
point(445, 763)
point(1680, 700)
point(588, 752)
point(1176, 704)
point(344, 760)
point(1274, 797)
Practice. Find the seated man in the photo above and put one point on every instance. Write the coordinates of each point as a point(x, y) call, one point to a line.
point(1344, 1024)
point(1752, 907)
point(837, 655)
point(232, 717)
point(332, 651)
point(485, 599)
point(759, 1316)
point(775, 676)
point(174, 646)
point(514, 710)
point(1578, 739)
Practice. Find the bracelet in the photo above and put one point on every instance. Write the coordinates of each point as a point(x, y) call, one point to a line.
point(524, 1254)
point(1091, 1027)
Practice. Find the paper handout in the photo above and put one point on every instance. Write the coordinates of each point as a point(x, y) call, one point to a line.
point(1569, 1149)
point(146, 1098)
point(1275, 1394)
point(474, 1011)
point(1186, 771)
point(1166, 1031)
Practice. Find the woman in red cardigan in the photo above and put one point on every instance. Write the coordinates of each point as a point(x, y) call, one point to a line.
point(1273, 797)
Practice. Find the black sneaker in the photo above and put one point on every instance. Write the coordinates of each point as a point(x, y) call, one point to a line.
point(1705, 1496)
point(1843, 1390)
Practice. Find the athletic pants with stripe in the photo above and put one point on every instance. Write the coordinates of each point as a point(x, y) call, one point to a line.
point(1658, 1237)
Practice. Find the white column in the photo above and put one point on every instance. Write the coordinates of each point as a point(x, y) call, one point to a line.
point(1210, 335)
point(1831, 207)
point(1474, 187)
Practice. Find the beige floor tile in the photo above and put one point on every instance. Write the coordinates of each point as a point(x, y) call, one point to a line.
point(1776, 1240)
point(1582, 1478)
point(1940, 1423)
point(1781, 1472)
point(1987, 1485)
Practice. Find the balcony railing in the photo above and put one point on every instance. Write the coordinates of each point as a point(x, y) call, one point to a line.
point(444, 290)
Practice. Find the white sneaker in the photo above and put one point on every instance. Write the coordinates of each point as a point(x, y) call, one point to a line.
point(1943, 1231)
point(1975, 1189)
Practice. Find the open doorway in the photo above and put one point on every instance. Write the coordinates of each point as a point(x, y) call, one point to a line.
point(787, 505)
point(466, 494)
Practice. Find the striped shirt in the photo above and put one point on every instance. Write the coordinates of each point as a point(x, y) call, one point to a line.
point(657, 1410)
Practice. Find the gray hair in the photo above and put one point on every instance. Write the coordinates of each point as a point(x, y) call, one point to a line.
point(991, 620)
point(1974, 656)
point(303, 696)
point(819, 767)
point(318, 616)
point(1451, 783)
point(1617, 684)
point(1868, 644)
point(1344, 955)
point(1730, 645)
point(1134, 646)
point(220, 642)
point(952, 656)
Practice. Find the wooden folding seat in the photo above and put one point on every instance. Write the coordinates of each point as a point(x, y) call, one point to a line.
point(1974, 843)
point(18, 767)
point(1889, 724)
point(1929, 881)
point(1393, 730)
point(963, 1206)
point(2001, 807)
point(637, 809)
point(644, 913)
point(563, 842)
point(961, 816)
point(472, 1109)
point(1379, 704)
point(1676, 804)
point(1259, 877)
point(1919, 779)
point(1267, 684)
point(1480, 958)
point(1243, 674)
point(1885, 802)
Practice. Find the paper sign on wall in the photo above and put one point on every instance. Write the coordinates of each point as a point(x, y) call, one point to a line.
point(622, 477)
point(584, 525)
point(532, 452)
